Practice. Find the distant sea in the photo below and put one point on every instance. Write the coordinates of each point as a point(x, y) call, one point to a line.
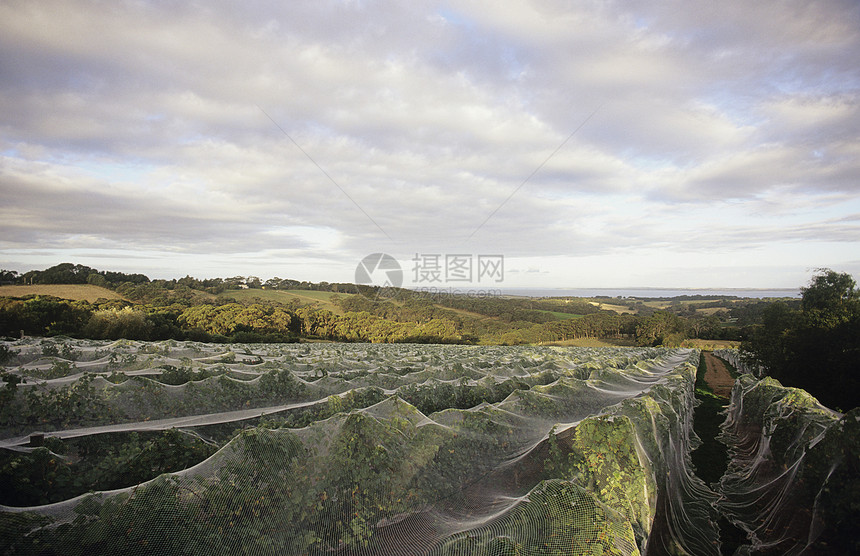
point(648, 292)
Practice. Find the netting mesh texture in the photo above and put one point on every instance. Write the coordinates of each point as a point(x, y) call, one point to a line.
point(793, 480)
point(351, 449)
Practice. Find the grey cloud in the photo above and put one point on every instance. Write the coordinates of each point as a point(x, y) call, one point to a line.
point(429, 116)
point(80, 213)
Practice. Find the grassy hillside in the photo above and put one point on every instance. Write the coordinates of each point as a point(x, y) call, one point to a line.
point(75, 292)
point(611, 307)
point(305, 297)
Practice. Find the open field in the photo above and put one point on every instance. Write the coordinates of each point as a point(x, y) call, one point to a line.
point(75, 292)
point(707, 311)
point(711, 344)
point(611, 307)
point(322, 299)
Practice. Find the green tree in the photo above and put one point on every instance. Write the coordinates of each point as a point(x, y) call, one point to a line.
point(9, 276)
point(660, 328)
point(769, 346)
point(97, 279)
point(816, 348)
point(113, 324)
point(830, 299)
point(63, 273)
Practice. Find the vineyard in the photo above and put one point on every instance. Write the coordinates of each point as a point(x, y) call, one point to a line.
point(191, 448)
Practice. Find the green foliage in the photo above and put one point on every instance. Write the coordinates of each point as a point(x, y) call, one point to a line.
point(709, 459)
point(63, 273)
point(6, 353)
point(15, 528)
point(280, 385)
point(256, 504)
point(42, 316)
point(58, 369)
point(180, 375)
point(8, 412)
point(34, 479)
point(513, 310)
point(358, 398)
point(50, 349)
point(830, 296)
point(114, 324)
point(361, 462)
point(817, 501)
point(816, 348)
point(560, 461)
point(111, 526)
point(364, 459)
point(101, 462)
point(407, 317)
point(834, 465)
point(233, 317)
point(69, 273)
point(80, 403)
point(559, 518)
point(662, 328)
point(180, 309)
point(431, 397)
point(610, 467)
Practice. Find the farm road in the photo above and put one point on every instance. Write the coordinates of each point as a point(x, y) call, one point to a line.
point(717, 376)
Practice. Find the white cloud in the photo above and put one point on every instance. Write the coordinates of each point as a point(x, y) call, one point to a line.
point(138, 128)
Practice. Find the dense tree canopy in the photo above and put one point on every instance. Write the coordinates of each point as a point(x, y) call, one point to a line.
point(661, 327)
point(816, 347)
point(69, 273)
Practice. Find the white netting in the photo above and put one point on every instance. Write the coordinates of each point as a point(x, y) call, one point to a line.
point(359, 449)
point(792, 482)
point(733, 357)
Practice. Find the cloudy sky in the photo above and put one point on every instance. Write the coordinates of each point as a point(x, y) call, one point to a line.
point(674, 144)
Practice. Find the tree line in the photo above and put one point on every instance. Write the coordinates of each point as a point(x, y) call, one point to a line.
point(70, 273)
point(363, 320)
point(190, 308)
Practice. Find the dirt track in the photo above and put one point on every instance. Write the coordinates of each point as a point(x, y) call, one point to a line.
point(717, 375)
